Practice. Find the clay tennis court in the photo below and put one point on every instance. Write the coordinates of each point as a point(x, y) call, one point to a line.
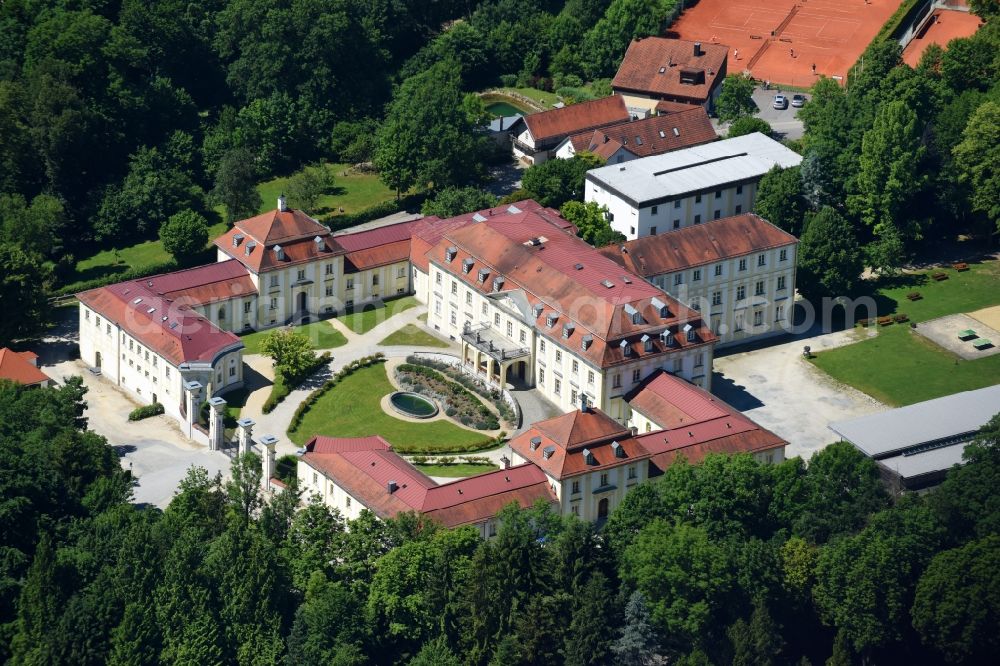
point(780, 40)
point(944, 27)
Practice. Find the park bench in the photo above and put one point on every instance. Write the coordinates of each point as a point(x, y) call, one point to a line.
point(940, 276)
point(901, 318)
point(961, 266)
point(914, 296)
point(884, 321)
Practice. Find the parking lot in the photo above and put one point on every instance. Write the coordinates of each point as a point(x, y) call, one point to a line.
point(784, 122)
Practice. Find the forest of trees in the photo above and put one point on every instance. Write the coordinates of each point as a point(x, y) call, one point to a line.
point(729, 561)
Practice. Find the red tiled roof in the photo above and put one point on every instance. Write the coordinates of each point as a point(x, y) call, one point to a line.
point(706, 243)
point(18, 367)
point(429, 230)
point(558, 123)
point(563, 440)
point(650, 136)
point(252, 241)
point(366, 240)
point(383, 255)
point(364, 466)
point(666, 107)
point(674, 403)
point(640, 69)
point(164, 321)
point(566, 276)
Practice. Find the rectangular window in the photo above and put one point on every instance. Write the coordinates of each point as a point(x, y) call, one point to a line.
point(454, 288)
point(168, 373)
point(739, 209)
point(738, 325)
point(652, 231)
point(274, 280)
point(437, 307)
point(541, 376)
point(697, 199)
point(617, 380)
point(781, 283)
point(677, 224)
point(108, 329)
point(604, 479)
point(779, 313)
point(510, 329)
point(437, 278)
point(328, 269)
point(678, 365)
point(743, 264)
point(496, 318)
point(97, 322)
point(521, 336)
point(454, 318)
point(677, 203)
point(557, 386)
point(576, 366)
point(246, 307)
point(484, 309)
point(86, 315)
point(576, 487)
point(631, 231)
point(635, 376)
point(350, 283)
point(274, 303)
point(697, 219)
point(758, 289)
point(468, 298)
point(678, 279)
point(718, 194)
point(717, 215)
point(696, 275)
point(739, 189)
point(590, 376)
point(301, 275)
point(329, 290)
point(375, 280)
point(541, 346)
point(575, 509)
point(232, 371)
point(699, 360)
point(401, 272)
point(741, 293)
point(758, 318)
point(760, 260)
point(558, 356)
point(631, 472)
point(654, 210)
point(716, 298)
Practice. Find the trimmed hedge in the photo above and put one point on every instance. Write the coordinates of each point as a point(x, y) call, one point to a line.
point(284, 385)
point(409, 202)
point(904, 13)
point(493, 395)
point(307, 404)
point(487, 419)
point(131, 274)
point(482, 445)
point(140, 413)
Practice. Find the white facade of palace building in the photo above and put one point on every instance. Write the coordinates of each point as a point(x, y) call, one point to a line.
point(737, 271)
point(674, 190)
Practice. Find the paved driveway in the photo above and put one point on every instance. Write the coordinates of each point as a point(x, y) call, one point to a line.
point(783, 392)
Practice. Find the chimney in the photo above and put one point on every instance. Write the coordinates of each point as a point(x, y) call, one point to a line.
point(697, 49)
point(282, 206)
point(391, 487)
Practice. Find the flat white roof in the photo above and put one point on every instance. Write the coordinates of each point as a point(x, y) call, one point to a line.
point(693, 169)
point(887, 433)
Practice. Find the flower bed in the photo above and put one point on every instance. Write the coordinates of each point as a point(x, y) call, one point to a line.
point(458, 403)
point(454, 373)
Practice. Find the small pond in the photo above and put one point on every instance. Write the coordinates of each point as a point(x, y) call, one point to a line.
point(502, 109)
point(413, 404)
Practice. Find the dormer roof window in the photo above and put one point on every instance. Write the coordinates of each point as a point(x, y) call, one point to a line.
point(647, 343)
point(279, 252)
point(548, 451)
point(551, 319)
point(588, 457)
point(539, 307)
point(661, 307)
point(449, 254)
point(467, 265)
point(625, 347)
point(497, 283)
point(633, 314)
point(587, 341)
point(667, 337)
point(568, 330)
point(249, 248)
point(483, 274)
point(319, 244)
point(237, 239)
point(535, 442)
point(618, 450)
point(691, 333)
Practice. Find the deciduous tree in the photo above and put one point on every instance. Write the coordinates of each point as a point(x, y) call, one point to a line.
point(977, 158)
point(306, 187)
point(591, 220)
point(780, 200)
point(452, 201)
point(830, 259)
point(735, 99)
point(184, 236)
point(236, 185)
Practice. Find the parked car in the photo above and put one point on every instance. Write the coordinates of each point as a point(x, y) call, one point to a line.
point(780, 102)
point(798, 101)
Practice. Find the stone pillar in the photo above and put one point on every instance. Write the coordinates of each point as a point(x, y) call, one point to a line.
point(192, 402)
point(216, 423)
point(268, 442)
point(244, 435)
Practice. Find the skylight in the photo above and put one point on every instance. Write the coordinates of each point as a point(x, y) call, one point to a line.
point(608, 283)
point(137, 301)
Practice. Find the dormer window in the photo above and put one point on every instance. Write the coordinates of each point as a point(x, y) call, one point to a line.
point(249, 248)
point(588, 457)
point(587, 341)
point(667, 337)
point(548, 451)
point(450, 253)
point(618, 450)
point(467, 265)
point(661, 308)
point(483, 274)
point(237, 239)
point(319, 244)
point(497, 283)
point(633, 314)
point(647, 343)
point(538, 310)
point(567, 330)
point(279, 252)
point(625, 347)
point(535, 443)
point(551, 319)
point(691, 333)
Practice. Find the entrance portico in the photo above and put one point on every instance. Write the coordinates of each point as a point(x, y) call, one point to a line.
point(493, 357)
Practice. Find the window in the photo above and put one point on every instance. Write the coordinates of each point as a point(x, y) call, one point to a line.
point(699, 360)
point(97, 322)
point(779, 313)
point(575, 509)
point(738, 325)
point(677, 224)
point(739, 209)
point(739, 189)
point(718, 194)
point(154, 361)
point(468, 298)
point(168, 373)
point(718, 270)
point(697, 199)
point(557, 386)
point(758, 289)
point(617, 380)
point(604, 479)
point(678, 364)
point(697, 219)
point(576, 366)
point(510, 329)
point(86, 315)
point(315, 478)
point(541, 346)
point(758, 318)
point(347, 502)
point(274, 280)
point(717, 215)
point(329, 290)
point(631, 471)
point(493, 529)
point(401, 272)
point(573, 396)
point(761, 261)
point(246, 307)
point(301, 275)
point(696, 275)
point(558, 356)
point(484, 309)
point(677, 203)
point(437, 278)
point(437, 307)
point(652, 231)
point(741, 293)
point(147, 356)
point(541, 376)
point(496, 318)
point(781, 283)
point(222, 314)
point(375, 280)
point(274, 304)
point(678, 279)
point(232, 371)
point(108, 329)
point(635, 376)
point(783, 255)
point(453, 318)
point(130, 345)
point(576, 487)
point(716, 298)
point(631, 231)
point(350, 283)
point(454, 288)
point(654, 210)
point(328, 269)
point(743, 264)
point(521, 336)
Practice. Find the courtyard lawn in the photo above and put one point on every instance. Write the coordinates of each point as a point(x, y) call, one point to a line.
point(321, 334)
point(373, 314)
point(411, 336)
point(899, 367)
point(353, 192)
point(459, 470)
point(352, 408)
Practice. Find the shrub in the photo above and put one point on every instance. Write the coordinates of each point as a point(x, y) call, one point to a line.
point(284, 385)
point(133, 274)
point(144, 412)
point(508, 80)
point(285, 468)
point(446, 460)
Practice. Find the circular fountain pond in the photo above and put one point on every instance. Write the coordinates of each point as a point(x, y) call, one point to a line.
point(413, 405)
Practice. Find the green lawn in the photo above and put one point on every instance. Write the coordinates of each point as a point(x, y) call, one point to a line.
point(411, 336)
point(372, 314)
point(352, 409)
point(353, 192)
point(458, 470)
point(321, 334)
point(900, 367)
